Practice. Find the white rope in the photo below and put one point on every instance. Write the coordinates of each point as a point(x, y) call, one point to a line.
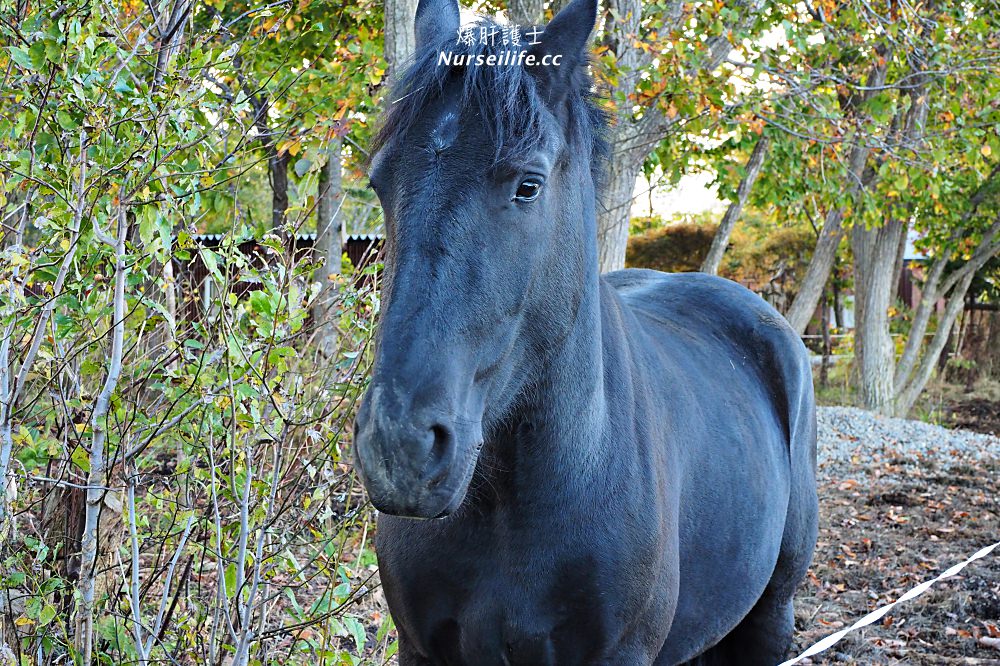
point(876, 615)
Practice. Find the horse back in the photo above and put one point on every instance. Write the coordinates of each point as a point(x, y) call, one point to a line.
point(683, 313)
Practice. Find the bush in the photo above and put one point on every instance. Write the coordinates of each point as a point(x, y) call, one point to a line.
point(675, 248)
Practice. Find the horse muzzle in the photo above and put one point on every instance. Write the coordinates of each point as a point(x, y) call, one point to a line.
point(413, 462)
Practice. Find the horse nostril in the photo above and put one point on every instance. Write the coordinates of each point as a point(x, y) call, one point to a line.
point(439, 459)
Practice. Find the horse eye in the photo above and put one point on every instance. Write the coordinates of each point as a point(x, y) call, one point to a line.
point(528, 190)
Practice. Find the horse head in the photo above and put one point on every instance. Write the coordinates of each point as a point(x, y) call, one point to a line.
point(483, 168)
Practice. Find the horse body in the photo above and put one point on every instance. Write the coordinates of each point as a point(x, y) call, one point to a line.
point(660, 542)
point(570, 469)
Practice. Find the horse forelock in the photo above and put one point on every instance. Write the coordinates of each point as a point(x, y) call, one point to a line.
point(504, 95)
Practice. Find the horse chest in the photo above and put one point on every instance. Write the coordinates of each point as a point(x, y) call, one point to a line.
point(538, 601)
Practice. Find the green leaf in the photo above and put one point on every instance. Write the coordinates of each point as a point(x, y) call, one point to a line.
point(37, 54)
point(231, 580)
point(261, 304)
point(384, 629)
point(21, 57)
point(65, 120)
point(302, 167)
point(278, 353)
point(357, 632)
point(81, 458)
point(47, 615)
point(211, 263)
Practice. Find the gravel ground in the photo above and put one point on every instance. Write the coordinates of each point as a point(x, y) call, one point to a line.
point(900, 502)
point(858, 437)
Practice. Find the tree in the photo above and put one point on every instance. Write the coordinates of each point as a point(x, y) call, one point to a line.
point(525, 12)
point(721, 240)
point(906, 174)
point(661, 62)
point(870, 136)
point(400, 41)
point(126, 127)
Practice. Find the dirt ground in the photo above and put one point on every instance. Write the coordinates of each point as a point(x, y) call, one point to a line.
point(977, 414)
point(883, 530)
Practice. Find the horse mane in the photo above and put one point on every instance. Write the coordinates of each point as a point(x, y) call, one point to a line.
point(505, 95)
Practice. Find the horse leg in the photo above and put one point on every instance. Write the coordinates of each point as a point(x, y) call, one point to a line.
point(761, 639)
point(408, 655)
point(765, 634)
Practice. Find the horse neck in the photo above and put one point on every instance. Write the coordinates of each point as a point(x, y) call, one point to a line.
point(555, 435)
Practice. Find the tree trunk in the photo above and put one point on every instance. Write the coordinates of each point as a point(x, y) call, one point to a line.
point(874, 261)
point(400, 40)
point(897, 270)
point(818, 272)
point(278, 166)
point(634, 138)
point(921, 319)
point(824, 371)
point(170, 28)
point(98, 474)
point(908, 395)
point(8, 380)
point(613, 216)
point(825, 253)
point(721, 240)
point(833, 230)
point(525, 12)
point(329, 200)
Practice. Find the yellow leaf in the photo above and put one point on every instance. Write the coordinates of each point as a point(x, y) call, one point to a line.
point(23, 621)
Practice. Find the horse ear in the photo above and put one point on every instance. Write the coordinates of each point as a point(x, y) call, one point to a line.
point(566, 35)
point(435, 20)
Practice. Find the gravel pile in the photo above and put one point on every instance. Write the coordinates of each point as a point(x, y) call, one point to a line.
point(858, 437)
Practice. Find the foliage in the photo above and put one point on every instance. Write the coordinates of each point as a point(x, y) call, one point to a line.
point(641, 224)
point(676, 248)
point(766, 258)
point(175, 483)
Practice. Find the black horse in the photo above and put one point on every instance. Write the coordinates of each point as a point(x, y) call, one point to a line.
point(570, 468)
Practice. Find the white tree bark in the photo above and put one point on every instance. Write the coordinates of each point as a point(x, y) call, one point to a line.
point(876, 274)
point(614, 212)
point(8, 385)
point(874, 261)
point(170, 28)
point(400, 40)
point(634, 138)
point(721, 240)
point(525, 12)
point(921, 318)
point(97, 475)
point(330, 200)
